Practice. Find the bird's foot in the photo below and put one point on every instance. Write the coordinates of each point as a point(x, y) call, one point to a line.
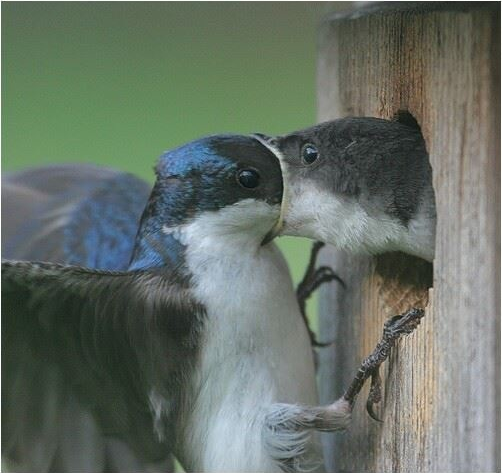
point(289, 421)
point(312, 280)
point(393, 329)
point(375, 394)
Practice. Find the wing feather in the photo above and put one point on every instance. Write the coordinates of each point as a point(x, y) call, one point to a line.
point(114, 337)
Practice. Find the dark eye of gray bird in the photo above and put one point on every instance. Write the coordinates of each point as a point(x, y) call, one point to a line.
point(248, 178)
point(310, 153)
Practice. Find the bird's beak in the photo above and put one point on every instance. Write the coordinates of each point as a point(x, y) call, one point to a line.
point(273, 233)
point(277, 228)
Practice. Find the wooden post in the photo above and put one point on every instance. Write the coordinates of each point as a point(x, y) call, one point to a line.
point(441, 407)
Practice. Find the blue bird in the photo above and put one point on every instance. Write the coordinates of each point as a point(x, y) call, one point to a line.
point(160, 324)
point(143, 323)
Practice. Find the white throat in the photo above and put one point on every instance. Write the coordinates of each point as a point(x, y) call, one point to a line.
point(344, 223)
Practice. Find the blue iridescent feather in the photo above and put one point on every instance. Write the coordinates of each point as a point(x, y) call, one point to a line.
point(76, 214)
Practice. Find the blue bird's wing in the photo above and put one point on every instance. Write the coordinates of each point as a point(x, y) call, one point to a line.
point(112, 339)
point(75, 214)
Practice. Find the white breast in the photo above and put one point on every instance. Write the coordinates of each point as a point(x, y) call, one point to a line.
point(255, 352)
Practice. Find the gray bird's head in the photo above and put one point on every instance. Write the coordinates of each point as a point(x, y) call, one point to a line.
point(361, 184)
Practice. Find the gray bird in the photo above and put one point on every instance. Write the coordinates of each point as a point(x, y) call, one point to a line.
point(363, 185)
point(159, 322)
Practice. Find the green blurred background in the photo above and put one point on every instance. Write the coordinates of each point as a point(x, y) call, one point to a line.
point(117, 83)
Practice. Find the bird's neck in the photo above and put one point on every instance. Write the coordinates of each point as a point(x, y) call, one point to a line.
point(158, 250)
point(167, 246)
point(165, 235)
point(154, 246)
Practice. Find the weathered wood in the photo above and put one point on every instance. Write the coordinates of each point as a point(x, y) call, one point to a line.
point(441, 407)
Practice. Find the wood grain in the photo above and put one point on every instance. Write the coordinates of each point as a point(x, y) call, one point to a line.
point(441, 407)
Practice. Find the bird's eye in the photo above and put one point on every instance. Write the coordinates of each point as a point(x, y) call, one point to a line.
point(248, 178)
point(310, 153)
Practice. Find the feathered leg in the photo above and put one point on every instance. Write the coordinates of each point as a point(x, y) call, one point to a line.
point(287, 425)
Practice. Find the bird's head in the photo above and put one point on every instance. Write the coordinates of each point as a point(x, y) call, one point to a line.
point(221, 185)
point(361, 184)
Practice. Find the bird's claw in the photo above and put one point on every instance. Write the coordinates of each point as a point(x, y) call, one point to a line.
point(402, 324)
point(393, 329)
point(312, 280)
point(375, 394)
